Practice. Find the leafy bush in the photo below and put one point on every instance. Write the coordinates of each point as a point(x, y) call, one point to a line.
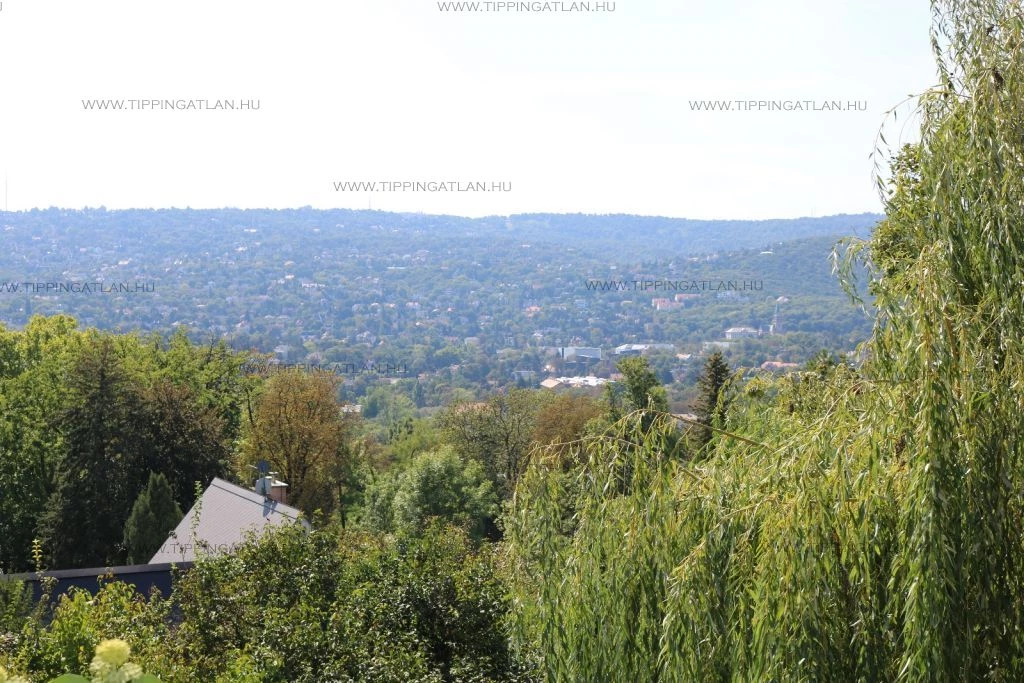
point(297, 606)
point(109, 665)
point(53, 644)
point(341, 605)
point(435, 485)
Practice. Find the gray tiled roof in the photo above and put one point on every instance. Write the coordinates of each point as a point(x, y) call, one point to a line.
point(228, 513)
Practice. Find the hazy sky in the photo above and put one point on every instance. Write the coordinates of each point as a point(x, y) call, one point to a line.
point(577, 111)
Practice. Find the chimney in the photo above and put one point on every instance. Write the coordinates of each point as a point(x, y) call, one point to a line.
point(279, 492)
point(272, 488)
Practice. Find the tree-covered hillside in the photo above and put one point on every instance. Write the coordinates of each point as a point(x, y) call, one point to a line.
point(462, 302)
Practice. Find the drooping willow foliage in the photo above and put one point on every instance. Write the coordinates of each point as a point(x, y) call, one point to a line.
point(868, 524)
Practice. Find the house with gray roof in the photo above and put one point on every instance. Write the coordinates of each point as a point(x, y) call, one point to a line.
point(227, 515)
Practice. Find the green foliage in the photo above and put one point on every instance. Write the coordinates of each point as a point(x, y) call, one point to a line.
point(421, 436)
point(642, 396)
point(62, 641)
point(850, 525)
point(497, 434)
point(32, 391)
point(420, 609)
point(96, 478)
point(109, 665)
point(154, 514)
point(951, 327)
point(15, 605)
point(712, 399)
point(643, 389)
point(84, 418)
point(893, 246)
point(114, 431)
point(434, 485)
point(748, 565)
point(296, 606)
point(565, 419)
point(298, 427)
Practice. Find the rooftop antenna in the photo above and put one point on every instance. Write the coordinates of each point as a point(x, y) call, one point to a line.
point(266, 477)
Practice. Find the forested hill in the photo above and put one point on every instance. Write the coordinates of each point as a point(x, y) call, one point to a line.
point(69, 237)
point(636, 237)
point(354, 286)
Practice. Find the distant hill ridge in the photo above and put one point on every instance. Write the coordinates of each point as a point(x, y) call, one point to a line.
point(618, 236)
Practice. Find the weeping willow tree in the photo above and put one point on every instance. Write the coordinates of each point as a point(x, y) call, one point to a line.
point(852, 525)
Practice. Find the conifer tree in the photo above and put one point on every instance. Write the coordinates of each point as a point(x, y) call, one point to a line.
point(96, 479)
point(711, 404)
point(154, 515)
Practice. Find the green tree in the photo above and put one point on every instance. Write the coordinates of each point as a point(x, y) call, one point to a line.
point(122, 416)
point(33, 390)
point(497, 434)
point(299, 428)
point(437, 484)
point(15, 605)
point(565, 420)
point(210, 374)
point(948, 337)
point(66, 634)
point(184, 436)
point(712, 401)
point(643, 390)
point(422, 608)
point(154, 515)
point(423, 436)
point(640, 390)
point(97, 478)
point(893, 246)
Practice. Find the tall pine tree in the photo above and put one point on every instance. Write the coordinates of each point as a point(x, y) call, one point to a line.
point(711, 404)
point(153, 516)
point(96, 480)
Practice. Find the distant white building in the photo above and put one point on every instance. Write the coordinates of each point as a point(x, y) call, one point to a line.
point(741, 333)
point(574, 382)
point(639, 349)
point(778, 365)
point(665, 304)
point(578, 353)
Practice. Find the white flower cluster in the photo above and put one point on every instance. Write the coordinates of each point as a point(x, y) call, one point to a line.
point(7, 678)
point(111, 665)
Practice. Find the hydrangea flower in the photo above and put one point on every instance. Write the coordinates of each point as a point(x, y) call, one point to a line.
point(114, 652)
point(111, 665)
point(7, 678)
